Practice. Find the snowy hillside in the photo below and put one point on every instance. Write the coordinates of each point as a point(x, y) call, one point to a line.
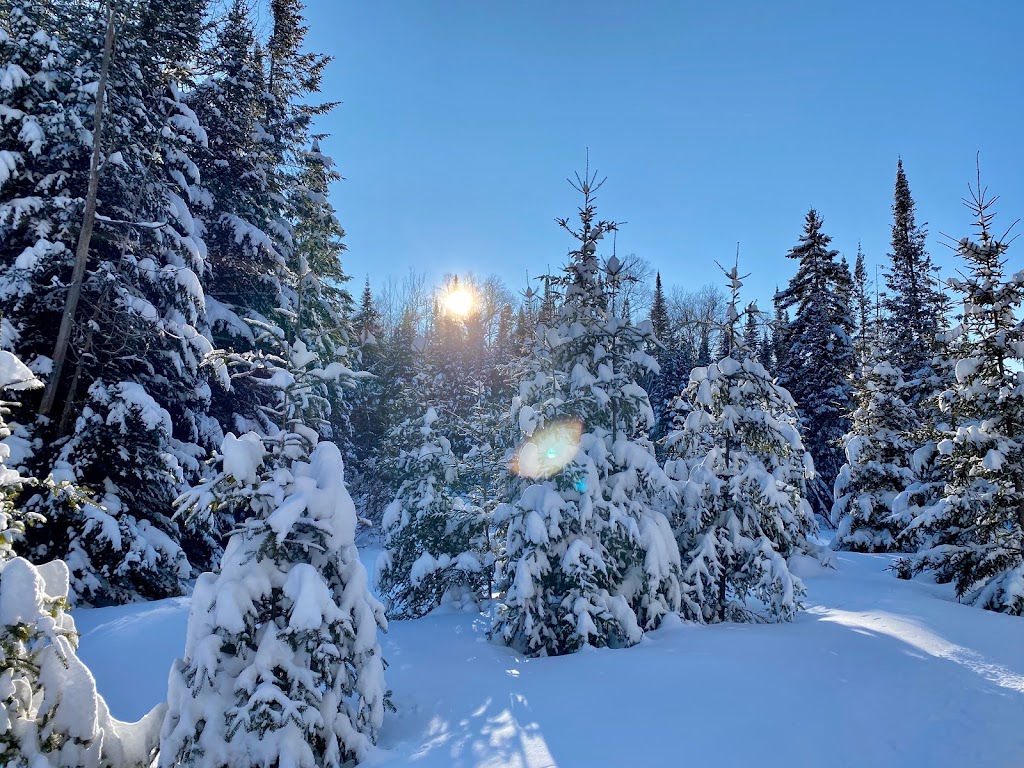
point(876, 672)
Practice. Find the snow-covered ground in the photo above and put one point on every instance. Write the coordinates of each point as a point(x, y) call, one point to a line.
point(876, 672)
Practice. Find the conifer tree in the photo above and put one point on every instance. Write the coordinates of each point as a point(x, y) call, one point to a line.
point(282, 662)
point(50, 712)
point(861, 306)
point(818, 361)
point(974, 534)
point(435, 542)
point(742, 469)
point(659, 312)
point(674, 363)
point(914, 301)
point(136, 342)
point(766, 351)
point(878, 451)
point(751, 336)
point(590, 558)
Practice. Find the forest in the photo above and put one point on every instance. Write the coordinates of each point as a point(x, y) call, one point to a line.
point(200, 401)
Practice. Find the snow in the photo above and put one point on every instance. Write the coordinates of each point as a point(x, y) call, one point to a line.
point(14, 374)
point(243, 456)
point(876, 671)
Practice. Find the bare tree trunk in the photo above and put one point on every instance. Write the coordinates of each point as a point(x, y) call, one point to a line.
point(60, 349)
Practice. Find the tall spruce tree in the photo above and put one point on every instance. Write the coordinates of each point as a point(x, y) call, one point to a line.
point(819, 360)
point(914, 301)
point(974, 534)
point(125, 417)
point(862, 307)
point(674, 363)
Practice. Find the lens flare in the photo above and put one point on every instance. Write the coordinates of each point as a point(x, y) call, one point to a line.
point(549, 450)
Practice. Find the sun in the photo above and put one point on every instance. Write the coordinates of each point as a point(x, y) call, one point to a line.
point(458, 301)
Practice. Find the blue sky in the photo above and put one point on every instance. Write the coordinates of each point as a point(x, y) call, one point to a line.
point(715, 123)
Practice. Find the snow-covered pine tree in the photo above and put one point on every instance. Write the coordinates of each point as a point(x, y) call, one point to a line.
point(435, 542)
point(282, 663)
point(742, 470)
point(751, 334)
point(878, 464)
point(974, 534)
point(590, 559)
point(780, 328)
point(674, 364)
point(818, 361)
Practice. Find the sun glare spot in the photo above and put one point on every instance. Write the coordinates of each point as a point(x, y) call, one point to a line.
point(458, 301)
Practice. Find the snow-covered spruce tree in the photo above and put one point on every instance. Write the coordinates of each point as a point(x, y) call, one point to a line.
point(674, 363)
point(137, 328)
point(14, 377)
point(878, 464)
point(818, 361)
point(435, 542)
point(974, 534)
point(590, 559)
point(50, 712)
point(742, 470)
point(865, 339)
point(282, 663)
point(915, 302)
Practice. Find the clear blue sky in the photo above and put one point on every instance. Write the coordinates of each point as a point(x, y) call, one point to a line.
point(715, 122)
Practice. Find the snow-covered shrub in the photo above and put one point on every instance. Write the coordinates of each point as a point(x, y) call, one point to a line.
point(742, 469)
point(51, 712)
point(435, 544)
point(878, 468)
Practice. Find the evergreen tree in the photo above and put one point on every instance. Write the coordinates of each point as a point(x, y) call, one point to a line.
point(751, 335)
point(50, 712)
point(766, 351)
point(282, 642)
point(590, 559)
point(659, 312)
point(914, 302)
point(974, 534)
point(136, 343)
point(878, 464)
point(779, 331)
point(435, 543)
point(862, 305)
point(674, 363)
point(14, 377)
point(818, 360)
point(742, 469)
